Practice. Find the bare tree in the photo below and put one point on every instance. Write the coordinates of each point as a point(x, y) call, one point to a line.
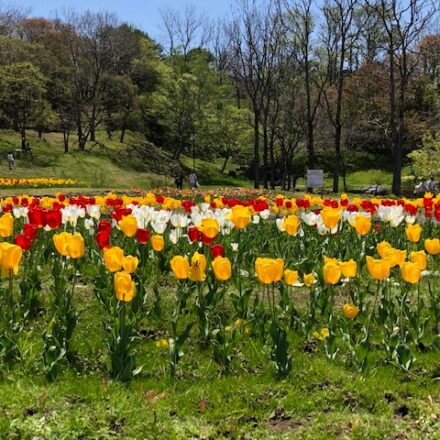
point(404, 23)
point(299, 24)
point(184, 31)
point(252, 35)
point(10, 18)
point(341, 37)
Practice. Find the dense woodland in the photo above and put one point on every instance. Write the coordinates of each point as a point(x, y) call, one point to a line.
point(277, 87)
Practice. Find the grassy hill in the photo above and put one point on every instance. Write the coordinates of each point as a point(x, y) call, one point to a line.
point(135, 164)
point(105, 163)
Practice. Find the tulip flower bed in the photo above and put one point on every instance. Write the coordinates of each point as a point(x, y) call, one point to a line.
point(164, 289)
point(38, 182)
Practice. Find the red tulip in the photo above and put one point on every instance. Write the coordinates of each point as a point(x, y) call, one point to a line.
point(104, 226)
point(30, 231)
point(217, 251)
point(23, 241)
point(103, 239)
point(142, 235)
point(53, 218)
point(193, 233)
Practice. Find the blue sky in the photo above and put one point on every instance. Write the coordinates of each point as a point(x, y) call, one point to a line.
point(141, 13)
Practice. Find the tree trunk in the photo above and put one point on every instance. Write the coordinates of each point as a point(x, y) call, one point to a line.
point(121, 139)
point(265, 153)
point(228, 154)
point(311, 158)
point(396, 152)
point(23, 131)
point(256, 149)
point(272, 161)
point(66, 134)
point(238, 97)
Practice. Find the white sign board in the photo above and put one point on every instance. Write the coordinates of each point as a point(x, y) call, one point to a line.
point(315, 178)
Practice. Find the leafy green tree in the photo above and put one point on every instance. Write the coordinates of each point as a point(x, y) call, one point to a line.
point(22, 88)
point(426, 159)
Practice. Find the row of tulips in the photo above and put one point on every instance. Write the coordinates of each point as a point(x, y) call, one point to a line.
point(36, 182)
point(369, 269)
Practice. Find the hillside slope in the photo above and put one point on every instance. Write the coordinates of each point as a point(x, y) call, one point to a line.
point(104, 164)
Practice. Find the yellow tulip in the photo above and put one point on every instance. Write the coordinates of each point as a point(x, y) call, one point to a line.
point(76, 246)
point(240, 216)
point(291, 224)
point(290, 277)
point(180, 267)
point(322, 334)
point(61, 242)
point(350, 311)
point(222, 268)
point(419, 257)
point(362, 224)
point(309, 279)
point(382, 247)
point(413, 232)
point(379, 269)
point(432, 246)
point(411, 272)
point(269, 270)
point(348, 268)
point(130, 263)
point(197, 268)
point(332, 273)
point(330, 260)
point(209, 227)
point(400, 256)
point(128, 225)
point(113, 258)
point(124, 286)
point(157, 242)
point(162, 343)
point(330, 217)
point(390, 255)
point(11, 256)
point(6, 225)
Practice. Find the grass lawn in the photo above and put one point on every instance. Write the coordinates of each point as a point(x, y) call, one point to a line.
point(135, 164)
point(321, 399)
point(107, 164)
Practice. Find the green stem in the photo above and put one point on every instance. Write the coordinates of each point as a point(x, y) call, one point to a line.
point(373, 309)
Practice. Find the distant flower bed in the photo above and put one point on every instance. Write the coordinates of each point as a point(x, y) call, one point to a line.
point(37, 182)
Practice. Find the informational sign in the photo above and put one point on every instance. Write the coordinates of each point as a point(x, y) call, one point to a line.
point(315, 178)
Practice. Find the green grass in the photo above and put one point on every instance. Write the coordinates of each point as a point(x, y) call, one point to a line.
point(106, 164)
point(321, 399)
point(110, 164)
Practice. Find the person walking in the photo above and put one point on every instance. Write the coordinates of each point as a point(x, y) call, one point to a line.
point(193, 180)
point(178, 180)
point(10, 157)
point(432, 187)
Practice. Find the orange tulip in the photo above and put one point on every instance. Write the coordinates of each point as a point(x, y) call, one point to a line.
point(348, 268)
point(330, 217)
point(124, 286)
point(413, 232)
point(269, 270)
point(411, 272)
point(379, 269)
point(350, 311)
point(332, 273)
point(290, 277)
point(432, 246)
point(419, 257)
point(362, 224)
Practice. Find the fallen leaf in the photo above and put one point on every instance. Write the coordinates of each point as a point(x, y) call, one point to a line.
point(203, 405)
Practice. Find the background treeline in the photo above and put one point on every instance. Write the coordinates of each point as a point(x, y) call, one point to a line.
point(279, 86)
